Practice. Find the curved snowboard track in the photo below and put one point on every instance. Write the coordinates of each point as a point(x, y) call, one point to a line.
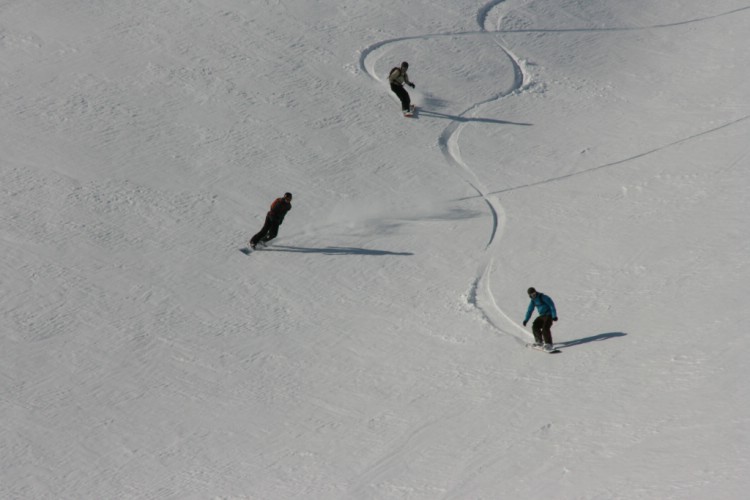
point(480, 293)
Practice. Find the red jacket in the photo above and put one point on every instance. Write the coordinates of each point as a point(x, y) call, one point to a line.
point(279, 208)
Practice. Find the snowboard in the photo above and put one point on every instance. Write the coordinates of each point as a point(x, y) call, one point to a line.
point(248, 250)
point(410, 113)
point(539, 348)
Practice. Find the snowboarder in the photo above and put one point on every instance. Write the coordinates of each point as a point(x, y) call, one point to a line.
point(397, 78)
point(274, 218)
point(542, 324)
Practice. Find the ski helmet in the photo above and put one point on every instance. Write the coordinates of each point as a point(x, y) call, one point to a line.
point(405, 65)
point(531, 290)
point(288, 196)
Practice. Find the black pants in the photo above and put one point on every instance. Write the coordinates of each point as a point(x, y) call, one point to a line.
point(268, 232)
point(541, 328)
point(403, 95)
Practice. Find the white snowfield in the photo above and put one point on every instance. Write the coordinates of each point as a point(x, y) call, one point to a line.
point(597, 151)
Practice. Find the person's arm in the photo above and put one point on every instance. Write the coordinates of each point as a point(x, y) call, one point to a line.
point(528, 313)
point(407, 81)
point(551, 306)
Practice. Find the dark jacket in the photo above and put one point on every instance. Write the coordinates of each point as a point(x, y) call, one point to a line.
point(279, 208)
point(398, 77)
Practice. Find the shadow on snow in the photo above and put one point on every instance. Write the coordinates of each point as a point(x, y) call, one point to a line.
point(436, 114)
point(334, 250)
point(586, 340)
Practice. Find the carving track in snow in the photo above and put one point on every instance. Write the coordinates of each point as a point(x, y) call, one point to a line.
point(480, 294)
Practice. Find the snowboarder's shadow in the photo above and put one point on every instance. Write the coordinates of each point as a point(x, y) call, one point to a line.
point(335, 251)
point(586, 340)
point(431, 103)
point(436, 114)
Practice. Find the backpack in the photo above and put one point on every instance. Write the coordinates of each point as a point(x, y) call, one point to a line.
point(395, 68)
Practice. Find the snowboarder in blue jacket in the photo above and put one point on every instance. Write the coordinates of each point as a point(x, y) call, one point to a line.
point(542, 324)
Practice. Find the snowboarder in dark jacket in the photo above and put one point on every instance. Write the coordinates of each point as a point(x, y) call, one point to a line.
point(398, 78)
point(274, 218)
point(542, 324)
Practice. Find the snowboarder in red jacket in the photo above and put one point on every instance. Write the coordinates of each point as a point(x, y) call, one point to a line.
point(274, 218)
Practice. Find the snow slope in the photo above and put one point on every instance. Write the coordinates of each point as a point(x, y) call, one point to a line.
point(595, 150)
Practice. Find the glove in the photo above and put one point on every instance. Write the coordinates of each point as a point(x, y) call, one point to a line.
point(554, 319)
point(524, 323)
point(412, 85)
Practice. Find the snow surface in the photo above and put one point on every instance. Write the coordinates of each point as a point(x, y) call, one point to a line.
point(595, 150)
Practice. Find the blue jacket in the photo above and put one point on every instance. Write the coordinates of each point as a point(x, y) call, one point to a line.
point(544, 306)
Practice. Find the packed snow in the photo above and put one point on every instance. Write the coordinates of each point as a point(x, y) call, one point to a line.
point(597, 151)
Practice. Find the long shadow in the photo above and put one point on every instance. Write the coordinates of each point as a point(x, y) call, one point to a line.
point(436, 114)
point(595, 338)
point(334, 251)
